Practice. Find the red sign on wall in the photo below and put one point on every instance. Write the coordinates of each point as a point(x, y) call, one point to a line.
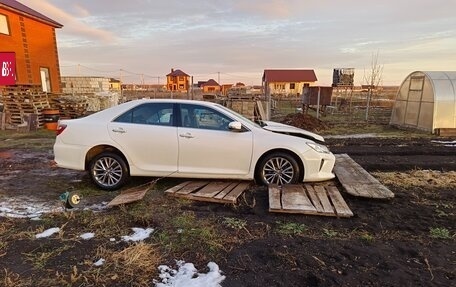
point(8, 68)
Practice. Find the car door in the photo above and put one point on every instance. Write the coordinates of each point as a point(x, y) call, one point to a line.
point(208, 146)
point(148, 136)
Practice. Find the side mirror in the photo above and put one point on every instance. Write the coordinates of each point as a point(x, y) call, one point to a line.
point(235, 126)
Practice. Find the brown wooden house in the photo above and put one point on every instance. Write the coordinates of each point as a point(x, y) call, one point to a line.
point(30, 37)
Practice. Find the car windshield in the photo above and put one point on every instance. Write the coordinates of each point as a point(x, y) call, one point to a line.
point(256, 123)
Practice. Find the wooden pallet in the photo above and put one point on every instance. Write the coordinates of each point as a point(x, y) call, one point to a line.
point(308, 199)
point(445, 132)
point(21, 101)
point(357, 181)
point(210, 191)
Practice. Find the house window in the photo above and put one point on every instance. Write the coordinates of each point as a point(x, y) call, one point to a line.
point(45, 80)
point(4, 29)
point(181, 79)
point(292, 86)
point(279, 86)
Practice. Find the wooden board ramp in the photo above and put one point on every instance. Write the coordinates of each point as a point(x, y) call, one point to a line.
point(129, 195)
point(308, 199)
point(357, 181)
point(210, 191)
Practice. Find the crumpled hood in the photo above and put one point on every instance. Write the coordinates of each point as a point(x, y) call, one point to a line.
point(282, 128)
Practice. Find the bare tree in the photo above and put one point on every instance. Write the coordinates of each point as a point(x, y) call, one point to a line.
point(372, 78)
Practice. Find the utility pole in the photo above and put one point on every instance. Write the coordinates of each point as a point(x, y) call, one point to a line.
point(218, 77)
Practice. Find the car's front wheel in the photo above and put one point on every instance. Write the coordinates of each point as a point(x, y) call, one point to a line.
point(278, 168)
point(109, 171)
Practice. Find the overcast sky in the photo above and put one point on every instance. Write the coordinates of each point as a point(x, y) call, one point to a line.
point(235, 40)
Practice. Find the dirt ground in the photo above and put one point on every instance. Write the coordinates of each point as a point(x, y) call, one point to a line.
point(406, 241)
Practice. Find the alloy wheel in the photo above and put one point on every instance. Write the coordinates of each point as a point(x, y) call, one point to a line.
point(107, 171)
point(278, 170)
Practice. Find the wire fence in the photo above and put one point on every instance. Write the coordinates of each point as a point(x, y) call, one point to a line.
point(345, 107)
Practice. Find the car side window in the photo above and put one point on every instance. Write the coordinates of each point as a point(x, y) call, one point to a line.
point(149, 114)
point(200, 117)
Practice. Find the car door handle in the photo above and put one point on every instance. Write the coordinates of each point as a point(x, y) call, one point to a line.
point(186, 135)
point(119, 130)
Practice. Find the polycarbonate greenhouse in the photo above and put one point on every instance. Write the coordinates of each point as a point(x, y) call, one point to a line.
point(426, 101)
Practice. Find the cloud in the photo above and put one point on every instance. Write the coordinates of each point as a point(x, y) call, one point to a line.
point(242, 38)
point(73, 26)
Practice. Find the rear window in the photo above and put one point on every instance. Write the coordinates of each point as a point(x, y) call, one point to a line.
point(149, 114)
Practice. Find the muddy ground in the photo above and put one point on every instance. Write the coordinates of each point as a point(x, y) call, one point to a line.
point(386, 243)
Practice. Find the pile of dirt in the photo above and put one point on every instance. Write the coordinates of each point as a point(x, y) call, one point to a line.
point(304, 121)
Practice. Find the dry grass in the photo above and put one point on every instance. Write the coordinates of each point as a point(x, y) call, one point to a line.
point(136, 263)
point(418, 179)
point(11, 279)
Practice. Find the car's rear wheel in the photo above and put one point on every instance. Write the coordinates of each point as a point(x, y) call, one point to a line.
point(109, 171)
point(278, 168)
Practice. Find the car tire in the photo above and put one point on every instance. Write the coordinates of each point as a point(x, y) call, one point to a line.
point(278, 168)
point(108, 171)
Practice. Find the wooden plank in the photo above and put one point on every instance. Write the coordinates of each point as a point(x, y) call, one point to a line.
point(226, 190)
point(261, 110)
point(212, 189)
point(339, 203)
point(323, 197)
point(218, 192)
point(314, 198)
point(357, 181)
point(275, 202)
point(445, 132)
point(203, 199)
point(294, 197)
point(177, 187)
point(128, 197)
point(191, 187)
point(237, 191)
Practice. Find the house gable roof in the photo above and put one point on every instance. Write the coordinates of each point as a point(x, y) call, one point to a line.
point(26, 11)
point(177, 73)
point(289, 76)
point(211, 83)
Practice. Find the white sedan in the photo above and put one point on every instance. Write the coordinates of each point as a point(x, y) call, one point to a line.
point(191, 139)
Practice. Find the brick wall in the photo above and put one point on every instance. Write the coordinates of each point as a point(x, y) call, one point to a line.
point(35, 46)
point(84, 85)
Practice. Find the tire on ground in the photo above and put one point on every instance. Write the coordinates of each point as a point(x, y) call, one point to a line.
point(283, 157)
point(108, 171)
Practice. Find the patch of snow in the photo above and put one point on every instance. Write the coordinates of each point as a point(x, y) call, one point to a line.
point(112, 239)
point(446, 143)
point(47, 232)
point(87, 236)
point(187, 276)
point(138, 234)
point(100, 262)
point(29, 207)
point(26, 207)
point(97, 207)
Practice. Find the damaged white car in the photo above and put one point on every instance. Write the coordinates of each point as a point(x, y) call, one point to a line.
point(191, 139)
